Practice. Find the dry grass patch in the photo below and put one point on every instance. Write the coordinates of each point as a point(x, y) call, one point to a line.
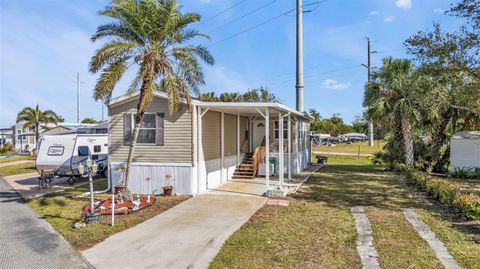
point(63, 209)
point(17, 158)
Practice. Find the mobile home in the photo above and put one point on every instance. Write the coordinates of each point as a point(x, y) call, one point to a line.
point(205, 145)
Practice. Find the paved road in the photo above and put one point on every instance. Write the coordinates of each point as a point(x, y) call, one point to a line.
point(186, 236)
point(29, 242)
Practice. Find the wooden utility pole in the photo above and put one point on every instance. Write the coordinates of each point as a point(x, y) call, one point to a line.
point(370, 121)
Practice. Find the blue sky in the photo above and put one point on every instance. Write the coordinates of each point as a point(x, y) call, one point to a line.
point(44, 43)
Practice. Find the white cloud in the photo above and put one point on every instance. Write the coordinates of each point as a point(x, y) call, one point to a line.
point(438, 10)
point(403, 4)
point(374, 13)
point(332, 84)
point(389, 19)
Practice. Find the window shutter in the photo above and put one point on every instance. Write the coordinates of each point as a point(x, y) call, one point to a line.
point(159, 135)
point(127, 128)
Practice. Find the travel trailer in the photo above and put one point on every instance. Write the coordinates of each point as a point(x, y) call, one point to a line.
point(60, 155)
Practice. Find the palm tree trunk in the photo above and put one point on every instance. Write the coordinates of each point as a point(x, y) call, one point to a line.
point(141, 106)
point(438, 139)
point(407, 140)
point(37, 136)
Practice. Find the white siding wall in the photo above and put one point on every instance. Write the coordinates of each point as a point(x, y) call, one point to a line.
point(181, 177)
point(465, 153)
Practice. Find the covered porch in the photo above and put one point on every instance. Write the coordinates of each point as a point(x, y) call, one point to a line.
point(260, 160)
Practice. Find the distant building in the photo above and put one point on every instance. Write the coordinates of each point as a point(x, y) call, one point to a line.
point(25, 137)
point(465, 150)
point(6, 136)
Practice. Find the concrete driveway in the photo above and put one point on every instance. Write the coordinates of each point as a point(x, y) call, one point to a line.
point(186, 236)
point(29, 242)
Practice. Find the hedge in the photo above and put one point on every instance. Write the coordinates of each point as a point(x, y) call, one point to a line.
point(465, 204)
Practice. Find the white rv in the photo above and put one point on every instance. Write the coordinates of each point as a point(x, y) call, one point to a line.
point(60, 155)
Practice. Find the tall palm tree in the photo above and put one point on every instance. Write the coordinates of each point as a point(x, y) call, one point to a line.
point(33, 117)
point(393, 95)
point(208, 97)
point(154, 37)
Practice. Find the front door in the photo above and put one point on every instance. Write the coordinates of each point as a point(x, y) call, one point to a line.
point(258, 133)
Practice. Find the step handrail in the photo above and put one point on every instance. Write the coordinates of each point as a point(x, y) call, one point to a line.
point(258, 156)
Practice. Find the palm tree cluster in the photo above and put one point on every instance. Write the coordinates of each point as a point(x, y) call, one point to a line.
point(32, 118)
point(154, 37)
point(254, 95)
point(424, 101)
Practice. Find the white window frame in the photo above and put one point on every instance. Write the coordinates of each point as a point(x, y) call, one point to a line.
point(155, 128)
point(276, 127)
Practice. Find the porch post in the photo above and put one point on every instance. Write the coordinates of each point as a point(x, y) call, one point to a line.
point(280, 150)
point(222, 146)
point(238, 139)
point(199, 147)
point(267, 148)
point(297, 143)
point(289, 152)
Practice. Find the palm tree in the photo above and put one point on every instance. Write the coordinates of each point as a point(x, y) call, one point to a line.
point(208, 97)
point(152, 36)
point(393, 95)
point(33, 117)
point(229, 97)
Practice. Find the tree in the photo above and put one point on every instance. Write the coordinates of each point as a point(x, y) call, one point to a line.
point(154, 37)
point(208, 97)
point(254, 95)
point(90, 121)
point(393, 94)
point(33, 117)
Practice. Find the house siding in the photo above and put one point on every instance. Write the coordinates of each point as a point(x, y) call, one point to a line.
point(230, 131)
point(177, 146)
point(211, 135)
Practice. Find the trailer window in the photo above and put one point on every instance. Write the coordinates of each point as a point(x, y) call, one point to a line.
point(83, 151)
point(55, 151)
point(97, 148)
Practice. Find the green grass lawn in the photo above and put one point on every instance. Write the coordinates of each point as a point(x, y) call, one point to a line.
point(17, 169)
point(16, 158)
point(352, 148)
point(317, 230)
point(63, 209)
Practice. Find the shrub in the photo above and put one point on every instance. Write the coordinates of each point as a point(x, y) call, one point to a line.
point(466, 172)
point(468, 205)
point(8, 147)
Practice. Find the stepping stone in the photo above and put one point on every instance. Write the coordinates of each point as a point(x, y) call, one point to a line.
point(365, 247)
point(424, 231)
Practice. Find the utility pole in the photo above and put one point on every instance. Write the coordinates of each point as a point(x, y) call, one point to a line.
point(370, 121)
point(299, 83)
point(78, 97)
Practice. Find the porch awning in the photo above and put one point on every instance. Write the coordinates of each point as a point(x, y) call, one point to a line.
point(250, 109)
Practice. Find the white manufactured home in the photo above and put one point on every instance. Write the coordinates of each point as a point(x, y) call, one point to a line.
point(207, 144)
point(465, 150)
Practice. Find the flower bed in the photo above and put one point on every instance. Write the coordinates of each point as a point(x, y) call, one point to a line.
point(104, 206)
point(464, 204)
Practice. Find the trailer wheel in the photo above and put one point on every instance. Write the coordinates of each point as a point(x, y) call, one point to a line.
point(71, 180)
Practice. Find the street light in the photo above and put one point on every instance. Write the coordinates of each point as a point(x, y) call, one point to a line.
point(92, 169)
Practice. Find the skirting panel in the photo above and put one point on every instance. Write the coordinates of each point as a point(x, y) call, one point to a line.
point(181, 178)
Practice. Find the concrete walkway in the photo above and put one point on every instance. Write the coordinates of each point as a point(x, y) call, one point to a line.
point(424, 231)
point(29, 242)
point(16, 162)
point(365, 247)
point(186, 236)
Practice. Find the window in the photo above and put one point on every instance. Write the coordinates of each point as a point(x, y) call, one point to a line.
point(146, 134)
point(151, 129)
point(285, 131)
point(97, 148)
point(83, 151)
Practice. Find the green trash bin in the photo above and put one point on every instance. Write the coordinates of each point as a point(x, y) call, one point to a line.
point(273, 160)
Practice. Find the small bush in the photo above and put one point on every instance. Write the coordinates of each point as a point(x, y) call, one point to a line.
point(466, 172)
point(8, 147)
point(468, 205)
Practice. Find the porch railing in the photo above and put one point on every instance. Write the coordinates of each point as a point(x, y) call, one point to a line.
point(258, 156)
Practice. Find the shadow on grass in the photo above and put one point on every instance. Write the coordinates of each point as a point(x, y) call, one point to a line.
point(349, 185)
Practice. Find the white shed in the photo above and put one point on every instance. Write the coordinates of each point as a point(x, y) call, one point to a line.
point(465, 150)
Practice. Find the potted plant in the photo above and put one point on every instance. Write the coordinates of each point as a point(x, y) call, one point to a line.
point(168, 188)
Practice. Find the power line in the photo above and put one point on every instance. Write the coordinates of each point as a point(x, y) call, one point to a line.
point(261, 24)
point(243, 16)
point(222, 12)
